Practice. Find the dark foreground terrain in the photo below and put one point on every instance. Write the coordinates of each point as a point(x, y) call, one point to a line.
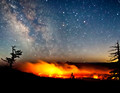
point(11, 78)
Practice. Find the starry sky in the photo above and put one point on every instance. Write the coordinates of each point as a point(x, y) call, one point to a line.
point(60, 30)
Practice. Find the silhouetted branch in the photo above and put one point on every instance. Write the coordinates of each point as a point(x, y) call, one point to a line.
point(113, 46)
point(112, 50)
point(114, 53)
point(114, 59)
point(3, 59)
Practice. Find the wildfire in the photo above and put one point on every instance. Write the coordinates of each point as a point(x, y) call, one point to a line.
point(95, 76)
point(63, 70)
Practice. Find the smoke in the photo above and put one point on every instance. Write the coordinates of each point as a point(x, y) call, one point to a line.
point(63, 70)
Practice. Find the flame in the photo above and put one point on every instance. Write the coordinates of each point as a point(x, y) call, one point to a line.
point(63, 70)
point(95, 76)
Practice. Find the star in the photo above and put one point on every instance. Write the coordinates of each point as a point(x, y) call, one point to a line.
point(77, 19)
point(63, 24)
point(84, 21)
point(117, 14)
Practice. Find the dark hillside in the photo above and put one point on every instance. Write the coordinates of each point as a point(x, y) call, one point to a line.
point(11, 76)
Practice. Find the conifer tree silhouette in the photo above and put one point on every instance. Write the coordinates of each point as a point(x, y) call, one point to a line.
point(116, 53)
point(115, 56)
point(15, 54)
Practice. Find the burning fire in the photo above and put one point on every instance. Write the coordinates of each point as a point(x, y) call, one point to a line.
point(95, 76)
point(63, 70)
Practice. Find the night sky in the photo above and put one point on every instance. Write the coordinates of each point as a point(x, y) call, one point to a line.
point(60, 30)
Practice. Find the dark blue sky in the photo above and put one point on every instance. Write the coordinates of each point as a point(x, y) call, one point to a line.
point(60, 30)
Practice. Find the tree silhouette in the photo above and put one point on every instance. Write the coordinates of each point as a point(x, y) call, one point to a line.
point(15, 54)
point(115, 56)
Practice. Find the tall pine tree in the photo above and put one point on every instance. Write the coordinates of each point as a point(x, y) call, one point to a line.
point(115, 56)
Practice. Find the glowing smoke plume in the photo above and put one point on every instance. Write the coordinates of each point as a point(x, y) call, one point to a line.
point(63, 70)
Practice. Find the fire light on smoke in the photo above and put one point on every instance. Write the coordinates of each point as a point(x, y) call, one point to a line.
point(63, 70)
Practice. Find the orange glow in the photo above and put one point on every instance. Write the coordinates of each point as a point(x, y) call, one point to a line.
point(95, 76)
point(63, 70)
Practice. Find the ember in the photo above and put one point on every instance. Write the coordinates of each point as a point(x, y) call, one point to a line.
point(64, 70)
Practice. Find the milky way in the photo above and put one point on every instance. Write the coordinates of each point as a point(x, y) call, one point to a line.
point(60, 30)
